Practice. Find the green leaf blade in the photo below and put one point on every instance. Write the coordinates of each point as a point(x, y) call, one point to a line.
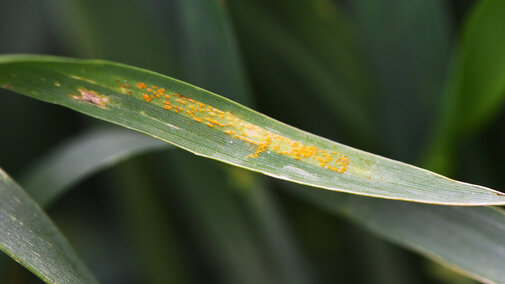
point(482, 65)
point(29, 237)
point(475, 89)
point(215, 127)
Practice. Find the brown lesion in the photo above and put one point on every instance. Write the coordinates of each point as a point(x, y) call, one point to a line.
point(92, 97)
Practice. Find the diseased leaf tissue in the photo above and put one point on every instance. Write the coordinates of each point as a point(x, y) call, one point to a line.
point(261, 139)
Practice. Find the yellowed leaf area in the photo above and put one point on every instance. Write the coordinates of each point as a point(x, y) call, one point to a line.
point(261, 139)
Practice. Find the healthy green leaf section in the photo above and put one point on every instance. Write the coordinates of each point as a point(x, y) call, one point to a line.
point(467, 239)
point(84, 155)
point(215, 127)
point(29, 236)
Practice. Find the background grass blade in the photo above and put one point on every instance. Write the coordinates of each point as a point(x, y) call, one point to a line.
point(216, 219)
point(232, 133)
point(406, 83)
point(28, 236)
point(475, 90)
point(467, 239)
point(97, 33)
point(149, 228)
point(295, 68)
point(481, 84)
point(86, 154)
point(205, 30)
point(278, 239)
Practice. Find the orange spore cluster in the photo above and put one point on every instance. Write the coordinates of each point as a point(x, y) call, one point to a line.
point(259, 138)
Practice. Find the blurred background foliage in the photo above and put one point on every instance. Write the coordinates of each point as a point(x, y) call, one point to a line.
point(417, 81)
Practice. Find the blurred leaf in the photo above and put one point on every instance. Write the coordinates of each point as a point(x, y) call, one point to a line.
point(445, 274)
point(476, 88)
point(407, 46)
point(29, 237)
point(322, 29)
point(467, 239)
point(216, 219)
point(211, 126)
point(207, 49)
point(278, 52)
point(82, 156)
point(33, 28)
point(116, 30)
point(481, 77)
point(267, 218)
point(382, 262)
point(150, 230)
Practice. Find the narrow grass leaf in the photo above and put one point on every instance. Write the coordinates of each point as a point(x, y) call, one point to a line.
point(29, 237)
point(204, 30)
point(107, 32)
point(149, 229)
point(267, 40)
point(481, 80)
point(216, 219)
point(466, 239)
point(409, 73)
point(475, 90)
point(212, 126)
point(88, 153)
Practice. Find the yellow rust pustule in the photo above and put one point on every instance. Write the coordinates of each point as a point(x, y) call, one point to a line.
point(92, 97)
point(261, 140)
